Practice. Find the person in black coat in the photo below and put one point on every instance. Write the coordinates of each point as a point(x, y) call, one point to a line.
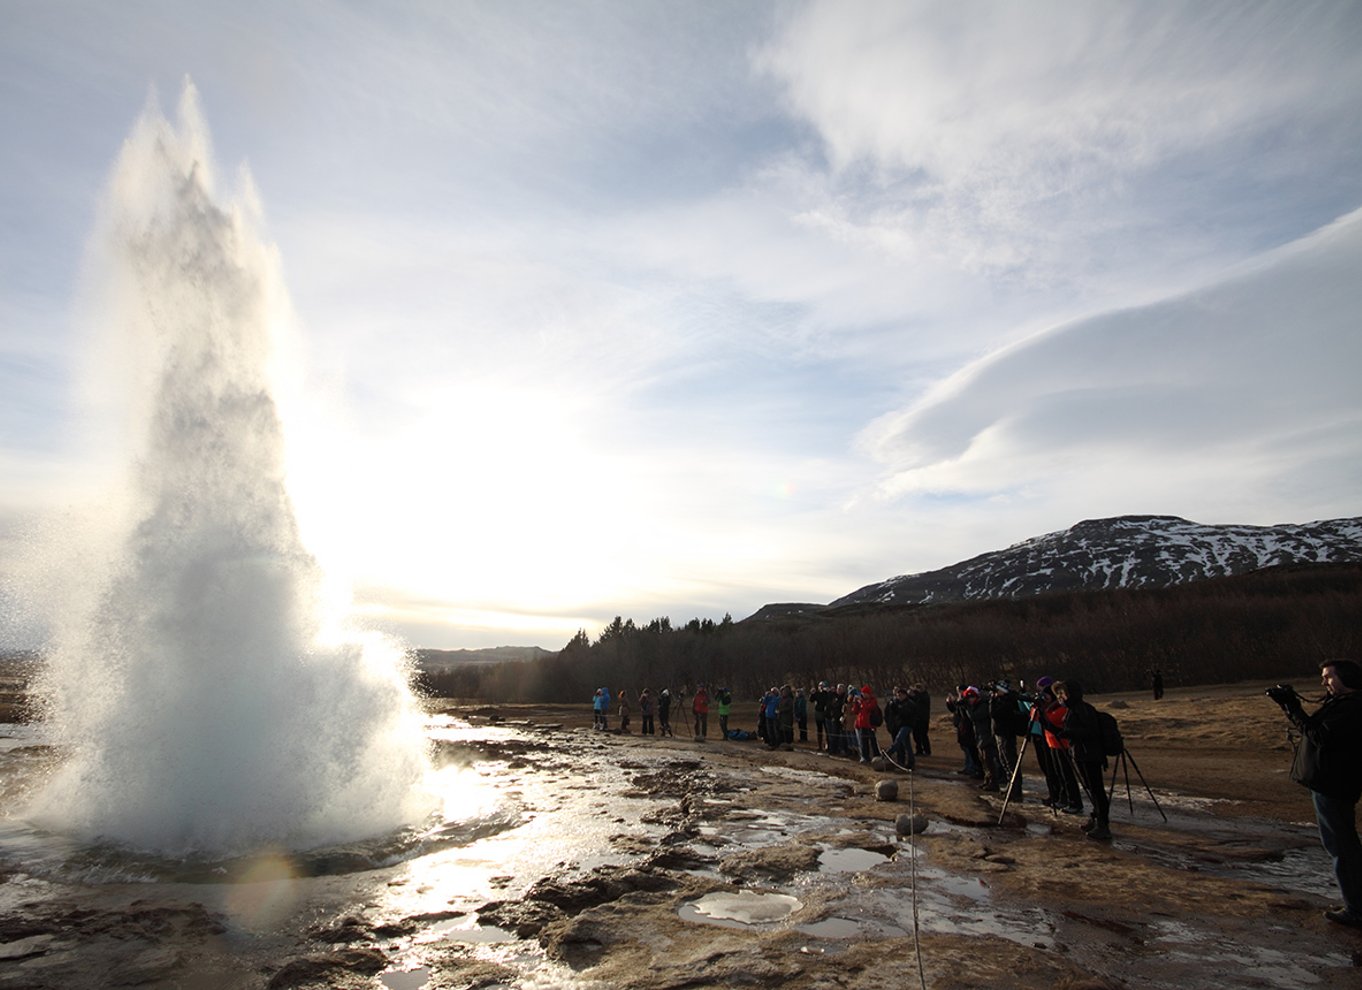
point(957, 703)
point(1329, 762)
point(922, 702)
point(821, 698)
point(1009, 720)
point(899, 716)
point(984, 742)
point(1084, 733)
point(664, 711)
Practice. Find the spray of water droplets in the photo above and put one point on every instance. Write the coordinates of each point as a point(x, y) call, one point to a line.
point(203, 702)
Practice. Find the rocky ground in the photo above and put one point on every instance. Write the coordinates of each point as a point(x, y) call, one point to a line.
point(753, 867)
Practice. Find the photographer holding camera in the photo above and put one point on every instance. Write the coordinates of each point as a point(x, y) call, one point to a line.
point(1329, 762)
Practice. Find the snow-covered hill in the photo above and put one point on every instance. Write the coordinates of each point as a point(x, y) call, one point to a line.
point(1123, 552)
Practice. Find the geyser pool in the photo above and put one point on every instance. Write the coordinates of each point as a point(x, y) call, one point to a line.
point(204, 702)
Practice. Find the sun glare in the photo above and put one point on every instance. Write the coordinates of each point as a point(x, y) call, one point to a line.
point(490, 500)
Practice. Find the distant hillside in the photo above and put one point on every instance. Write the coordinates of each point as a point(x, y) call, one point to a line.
point(434, 661)
point(1267, 623)
point(1108, 554)
point(787, 610)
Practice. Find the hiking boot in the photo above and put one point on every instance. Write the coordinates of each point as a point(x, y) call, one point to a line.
point(989, 787)
point(1342, 916)
point(1102, 833)
point(1089, 825)
point(1072, 809)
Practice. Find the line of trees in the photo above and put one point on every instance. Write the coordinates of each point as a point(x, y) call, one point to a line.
point(1264, 624)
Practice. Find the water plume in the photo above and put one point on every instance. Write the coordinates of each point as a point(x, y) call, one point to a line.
point(205, 702)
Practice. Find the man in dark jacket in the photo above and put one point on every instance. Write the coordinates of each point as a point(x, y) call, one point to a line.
point(1009, 721)
point(899, 716)
point(1084, 733)
point(820, 699)
point(922, 703)
point(1329, 762)
point(958, 705)
point(984, 743)
point(837, 713)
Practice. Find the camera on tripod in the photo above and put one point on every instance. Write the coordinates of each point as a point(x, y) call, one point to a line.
point(1283, 694)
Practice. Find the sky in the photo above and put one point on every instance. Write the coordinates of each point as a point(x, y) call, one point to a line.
point(677, 309)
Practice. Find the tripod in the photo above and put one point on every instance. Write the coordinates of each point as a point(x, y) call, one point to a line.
point(1016, 769)
point(1122, 764)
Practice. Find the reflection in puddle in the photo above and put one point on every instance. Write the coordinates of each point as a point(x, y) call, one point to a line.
point(833, 928)
point(850, 860)
point(966, 887)
point(947, 905)
point(412, 979)
point(469, 875)
point(464, 929)
point(846, 928)
point(1182, 943)
point(1307, 870)
point(803, 776)
point(742, 909)
point(445, 728)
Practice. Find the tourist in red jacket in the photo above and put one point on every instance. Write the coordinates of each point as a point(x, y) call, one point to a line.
point(866, 710)
point(1053, 715)
point(700, 707)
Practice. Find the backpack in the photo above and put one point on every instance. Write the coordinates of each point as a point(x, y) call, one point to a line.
point(1109, 735)
point(876, 716)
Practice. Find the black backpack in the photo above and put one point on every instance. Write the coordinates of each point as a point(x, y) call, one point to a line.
point(876, 716)
point(1109, 735)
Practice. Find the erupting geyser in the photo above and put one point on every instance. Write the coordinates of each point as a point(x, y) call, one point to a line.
point(205, 704)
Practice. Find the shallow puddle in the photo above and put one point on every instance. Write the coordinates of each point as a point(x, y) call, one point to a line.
point(846, 928)
point(412, 979)
point(1180, 943)
point(849, 860)
point(743, 909)
point(804, 776)
point(464, 929)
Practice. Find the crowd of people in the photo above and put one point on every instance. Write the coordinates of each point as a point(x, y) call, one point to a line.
point(846, 719)
point(994, 725)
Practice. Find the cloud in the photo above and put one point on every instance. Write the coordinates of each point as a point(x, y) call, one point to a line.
point(1029, 101)
point(1045, 141)
point(1242, 392)
point(593, 299)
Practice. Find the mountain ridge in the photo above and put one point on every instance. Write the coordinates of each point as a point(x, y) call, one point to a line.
point(1132, 551)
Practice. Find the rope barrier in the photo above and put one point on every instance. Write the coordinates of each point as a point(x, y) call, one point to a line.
point(912, 866)
point(912, 881)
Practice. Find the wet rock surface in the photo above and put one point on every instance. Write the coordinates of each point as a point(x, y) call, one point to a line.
point(927, 888)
